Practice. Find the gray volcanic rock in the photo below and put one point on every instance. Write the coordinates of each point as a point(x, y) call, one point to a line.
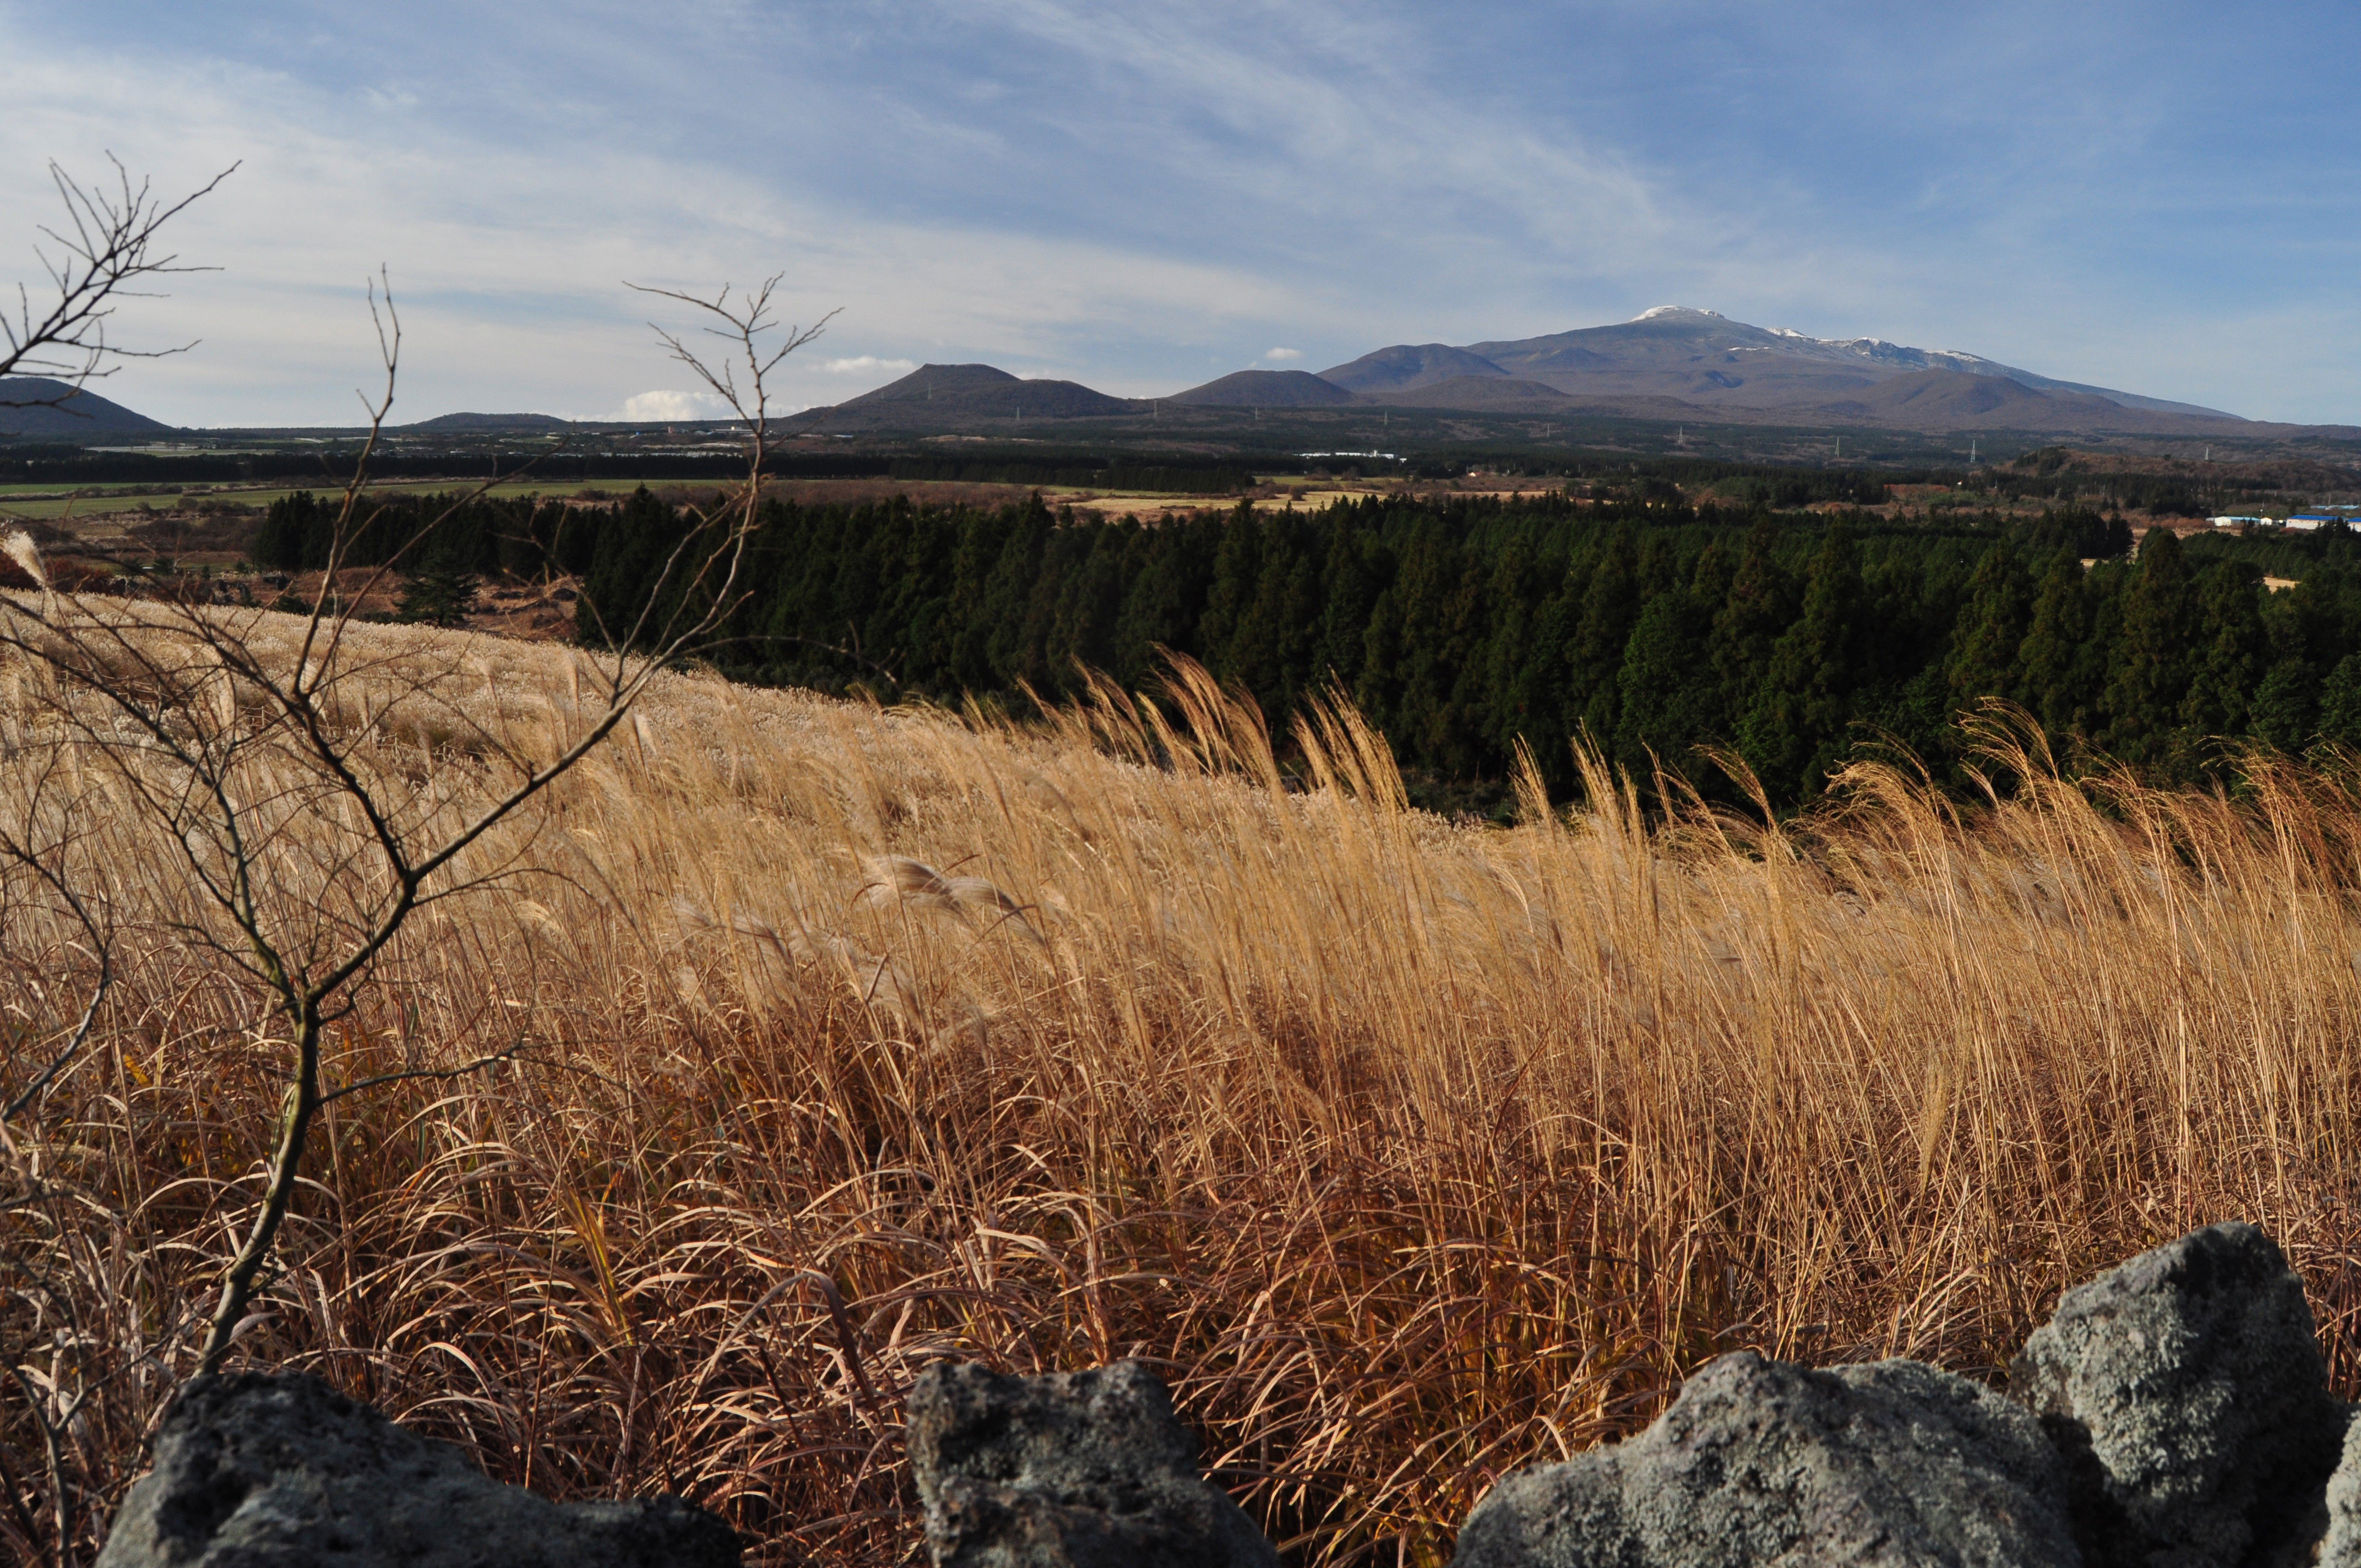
point(1762, 1461)
point(1074, 1470)
point(278, 1470)
point(2187, 1392)
point(2341, 1544)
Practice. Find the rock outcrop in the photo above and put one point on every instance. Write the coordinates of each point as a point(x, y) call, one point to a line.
point(2173, 1413)
point(1759, 1462)
point(278, 1470)
point(1073, 1470)
point(2340, 1545)
point(2186, 1392)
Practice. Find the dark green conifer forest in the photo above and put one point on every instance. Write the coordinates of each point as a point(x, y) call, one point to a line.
point(1462, 626)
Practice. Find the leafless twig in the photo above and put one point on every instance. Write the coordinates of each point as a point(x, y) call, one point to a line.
point(108, 244)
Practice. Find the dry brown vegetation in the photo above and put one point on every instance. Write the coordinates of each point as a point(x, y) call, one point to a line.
point(1411, 1153)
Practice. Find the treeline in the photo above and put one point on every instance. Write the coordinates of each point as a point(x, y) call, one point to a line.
point(1778, 487)
point(2054, 473)
point(1188, 479)
point(524, 537)
point(1462, 628)
point(66, 467)
point(73, 467)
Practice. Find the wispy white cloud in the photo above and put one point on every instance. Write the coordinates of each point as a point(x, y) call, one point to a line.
point(508, 281)
point(1282, 354)
point(1135, 196)
point(651, 408)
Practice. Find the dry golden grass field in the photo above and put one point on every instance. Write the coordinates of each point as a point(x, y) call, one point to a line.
point(1411, 1153)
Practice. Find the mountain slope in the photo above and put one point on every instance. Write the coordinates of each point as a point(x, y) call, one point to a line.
point(519, 423)
point(81, 415)
point(939, 395)
point(1732, 370)
point(1955, 399)
point(1265, 390)
point(1670, 363)
point(1406, 366)
point(1495, 393)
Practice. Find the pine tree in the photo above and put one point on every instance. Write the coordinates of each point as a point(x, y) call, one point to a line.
point(2051, 660)
point(1237, 569)
point(633, 546)
point(1270, 646)
point(1987, 649)
point(2286, 710)
point(286, 525)
point(1357, 568)
point(1507, 648)
point(1670, 703)
point(2340, 703)
point(2151, 656)
point(439, 595)
point(1758, 607)
point(1165, 606)
point(1610, 605)
point(1709, 591)
point(1795, 730)
point(1547, 713)
point(1090, 597)
point(1004, 613)
point(2235, 646)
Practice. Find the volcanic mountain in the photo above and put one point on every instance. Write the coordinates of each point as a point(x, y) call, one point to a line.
point(1265, 390)
point(1671, 363)
point(1675, 361)
point(43, 409)
point(935, 396)
point(1403, 368)
point(492, 424)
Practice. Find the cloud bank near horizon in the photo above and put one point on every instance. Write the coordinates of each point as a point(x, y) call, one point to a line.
point(1143, 201)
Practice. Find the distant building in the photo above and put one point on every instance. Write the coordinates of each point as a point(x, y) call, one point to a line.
point(2302, 522)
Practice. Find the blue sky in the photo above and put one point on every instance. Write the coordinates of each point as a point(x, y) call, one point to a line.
point(2159, 197)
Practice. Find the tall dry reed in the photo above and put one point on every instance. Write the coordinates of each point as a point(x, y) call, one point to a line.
point(1409, 1152)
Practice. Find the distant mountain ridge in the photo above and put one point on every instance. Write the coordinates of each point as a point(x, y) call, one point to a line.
point(1404, 366)
point(1680, 351)
point(1672, 363)
point(494, 422)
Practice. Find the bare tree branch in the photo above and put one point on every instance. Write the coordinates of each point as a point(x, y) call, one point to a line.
point(308, 842)
point(108, 245)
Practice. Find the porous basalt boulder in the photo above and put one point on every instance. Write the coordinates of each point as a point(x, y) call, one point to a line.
point(278, 1470)
point(2340, 1546)
point(2186, 1392)
point(1072, 1470)
point(1761, 1462)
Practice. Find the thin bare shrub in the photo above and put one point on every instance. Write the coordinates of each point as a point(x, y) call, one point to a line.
point(302, 803)
point(109, 247)
point(1411, 1153)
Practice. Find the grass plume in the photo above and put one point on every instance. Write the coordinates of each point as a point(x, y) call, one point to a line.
point(832, 1040)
